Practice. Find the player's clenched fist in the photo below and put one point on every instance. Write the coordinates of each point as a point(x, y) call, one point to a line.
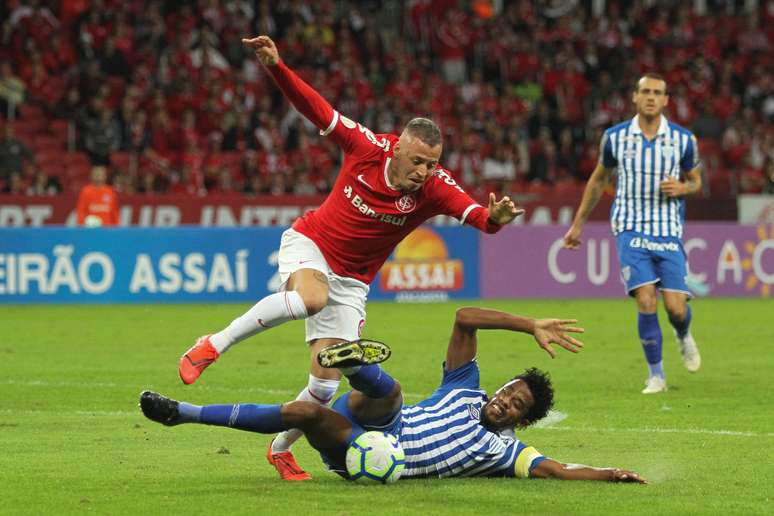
point(572, 237)
point(264, 48)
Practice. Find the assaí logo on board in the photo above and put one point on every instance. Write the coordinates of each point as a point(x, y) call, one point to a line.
point(65, 271)
point(421, 263)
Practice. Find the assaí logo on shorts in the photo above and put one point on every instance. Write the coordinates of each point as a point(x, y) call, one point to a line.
point(421, 263)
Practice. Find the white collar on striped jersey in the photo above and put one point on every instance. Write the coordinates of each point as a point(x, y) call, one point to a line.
point(663, 127)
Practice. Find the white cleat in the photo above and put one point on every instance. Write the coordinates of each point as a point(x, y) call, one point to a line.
point(654, 384)
point(690, 352)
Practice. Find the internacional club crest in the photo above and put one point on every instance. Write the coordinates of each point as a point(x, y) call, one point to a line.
point(406, 204)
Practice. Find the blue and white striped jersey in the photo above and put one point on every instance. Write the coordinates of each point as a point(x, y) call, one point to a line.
point(443, 435)
point(641, 166)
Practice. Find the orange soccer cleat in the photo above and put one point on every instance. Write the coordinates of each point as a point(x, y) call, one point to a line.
point(286, 465)
point(196, 359)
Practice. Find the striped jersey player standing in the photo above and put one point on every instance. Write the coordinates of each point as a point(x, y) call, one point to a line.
point(387, 186)
point(657, 165)
point(457, 432)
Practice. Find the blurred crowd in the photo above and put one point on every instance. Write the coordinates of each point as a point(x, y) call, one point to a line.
point(164, 94)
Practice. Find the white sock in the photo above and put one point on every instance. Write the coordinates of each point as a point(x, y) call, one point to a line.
point(319, 391)
point(270, 311)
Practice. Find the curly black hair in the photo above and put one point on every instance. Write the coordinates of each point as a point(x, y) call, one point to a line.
point(539, 384)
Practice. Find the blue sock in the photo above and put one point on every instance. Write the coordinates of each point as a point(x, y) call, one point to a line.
point(372, 381)
point(264, 419)
point(189, 413)
point(681, 327)
point(650, 337)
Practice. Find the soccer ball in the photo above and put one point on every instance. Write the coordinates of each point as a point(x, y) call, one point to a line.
point(92, 221)
point(375, 457)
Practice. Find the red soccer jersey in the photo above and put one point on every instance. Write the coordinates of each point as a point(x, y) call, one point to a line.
point(364, 217)
point(100, 201)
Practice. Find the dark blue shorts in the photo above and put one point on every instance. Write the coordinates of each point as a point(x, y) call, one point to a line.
point(649, 260)
point(335, 458)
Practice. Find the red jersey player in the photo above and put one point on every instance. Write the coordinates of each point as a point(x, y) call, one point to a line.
point(387, 186)
point(97, 201)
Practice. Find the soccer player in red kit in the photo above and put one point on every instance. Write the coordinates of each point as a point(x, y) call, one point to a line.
point(387, 186)
point(97, 201)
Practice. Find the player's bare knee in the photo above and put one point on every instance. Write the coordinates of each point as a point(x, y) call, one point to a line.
point(397, 393)
point(300, 414)
point(315, 302)
point(676, 310)
point(646, 300)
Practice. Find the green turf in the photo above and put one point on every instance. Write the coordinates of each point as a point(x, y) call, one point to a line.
point(74, 441)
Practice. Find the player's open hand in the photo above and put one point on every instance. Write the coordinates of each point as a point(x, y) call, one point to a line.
point(572, 237)
point(503, 211)
point(622, 475)
point(264, 48)
point(554, 331)
point(671, 187)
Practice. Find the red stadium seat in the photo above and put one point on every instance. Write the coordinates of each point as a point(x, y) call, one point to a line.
point(120, 160)
point(31, 112)
point(540, 189)
point(29, 126)
point(77, 159)
point(78, 172)
point(48, 156)
point(568, 190)
point(52, 168)
point(58, 127)
point(47, 143)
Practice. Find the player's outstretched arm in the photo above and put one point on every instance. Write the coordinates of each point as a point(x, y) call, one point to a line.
point(503, 211)
point(303, 97)
point(463, 343)
point(553, 469)
point(591, 195)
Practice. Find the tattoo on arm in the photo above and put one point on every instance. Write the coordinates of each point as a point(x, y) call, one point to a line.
point(319, 276)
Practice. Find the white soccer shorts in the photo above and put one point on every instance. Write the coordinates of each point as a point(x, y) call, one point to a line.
point(344, 316)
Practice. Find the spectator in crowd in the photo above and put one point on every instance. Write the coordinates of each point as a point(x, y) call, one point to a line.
point(44, 185)
point(97, 201)
point(12, 88)
point(15, 184)
point(768, 186)
point(514, 67)
point(13, 154)
point(500, 167)
point(102, 135)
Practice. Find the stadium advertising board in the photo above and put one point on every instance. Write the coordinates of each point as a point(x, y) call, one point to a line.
point(431, 264)
point(756, 209)
point(724, 260)
point(63, 265)
point(237, 210)
point(220, 210)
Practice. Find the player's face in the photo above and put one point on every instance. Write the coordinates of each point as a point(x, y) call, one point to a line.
point(651, 97)
point(412, 163)
point(509, 406)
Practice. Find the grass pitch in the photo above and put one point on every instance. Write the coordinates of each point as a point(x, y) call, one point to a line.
point(74, 441)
